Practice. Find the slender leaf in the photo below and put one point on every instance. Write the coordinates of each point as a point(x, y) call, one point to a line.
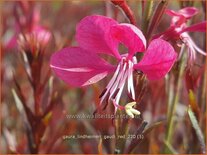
point(197, 129)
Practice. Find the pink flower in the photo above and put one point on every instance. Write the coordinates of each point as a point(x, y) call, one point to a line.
point(82, 65)
point(178, 30)
point(28, 25)
point(34, 41)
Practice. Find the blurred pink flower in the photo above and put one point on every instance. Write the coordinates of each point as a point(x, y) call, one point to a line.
point(81, 66)
point(28, 25)
point(178, 30)
point(39, 37)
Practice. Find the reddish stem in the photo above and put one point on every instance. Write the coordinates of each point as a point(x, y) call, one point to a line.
point(123, 5)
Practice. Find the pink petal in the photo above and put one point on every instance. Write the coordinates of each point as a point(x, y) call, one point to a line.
point(188, 12)
point(172, 12)
point(200, 27)
point(92, 34)
point(178, 19)
point(171, 33)
point(158, 59)
point(130, 36)
point(79, 67)
point(42, 34)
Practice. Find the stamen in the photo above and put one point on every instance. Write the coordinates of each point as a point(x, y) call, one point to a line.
point(103, 92)
point(123, 74)
point(117, 83)
point(194, 46)
point(108, 87)
point(118, 106)
point(104, 107)
point(115, 93)
point(121, 86)
point(130, 81)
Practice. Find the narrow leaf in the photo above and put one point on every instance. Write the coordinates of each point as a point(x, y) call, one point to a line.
point(154, 125)
point(194, 106)
point(135, 142)
point(197, 129)
point(170, 148)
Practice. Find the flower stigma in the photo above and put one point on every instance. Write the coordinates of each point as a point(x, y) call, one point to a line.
point(130, 110)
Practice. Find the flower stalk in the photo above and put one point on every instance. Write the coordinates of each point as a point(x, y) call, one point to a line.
point(126, 9)
point(172, 106)
point(121, 130)
point(147, 15)
point(32, 40)
point(158, 13)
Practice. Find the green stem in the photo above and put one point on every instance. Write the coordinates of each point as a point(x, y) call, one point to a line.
point(121, 132)
point(170, 91)
point(147, 15)
point(203, 97)
point(172, 108)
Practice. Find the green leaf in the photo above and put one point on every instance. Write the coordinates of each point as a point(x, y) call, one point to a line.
point(197, 129)
point(170, 149)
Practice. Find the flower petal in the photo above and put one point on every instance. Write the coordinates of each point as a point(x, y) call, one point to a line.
point(92, 34)
point(172, 12)
point(180, 17)
point(42, 34)
point(79, 67)
point(200, 27)
point(177, 18)
point(130, 36)
point(158, 59)
point(172, 33)
point(188, 12)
